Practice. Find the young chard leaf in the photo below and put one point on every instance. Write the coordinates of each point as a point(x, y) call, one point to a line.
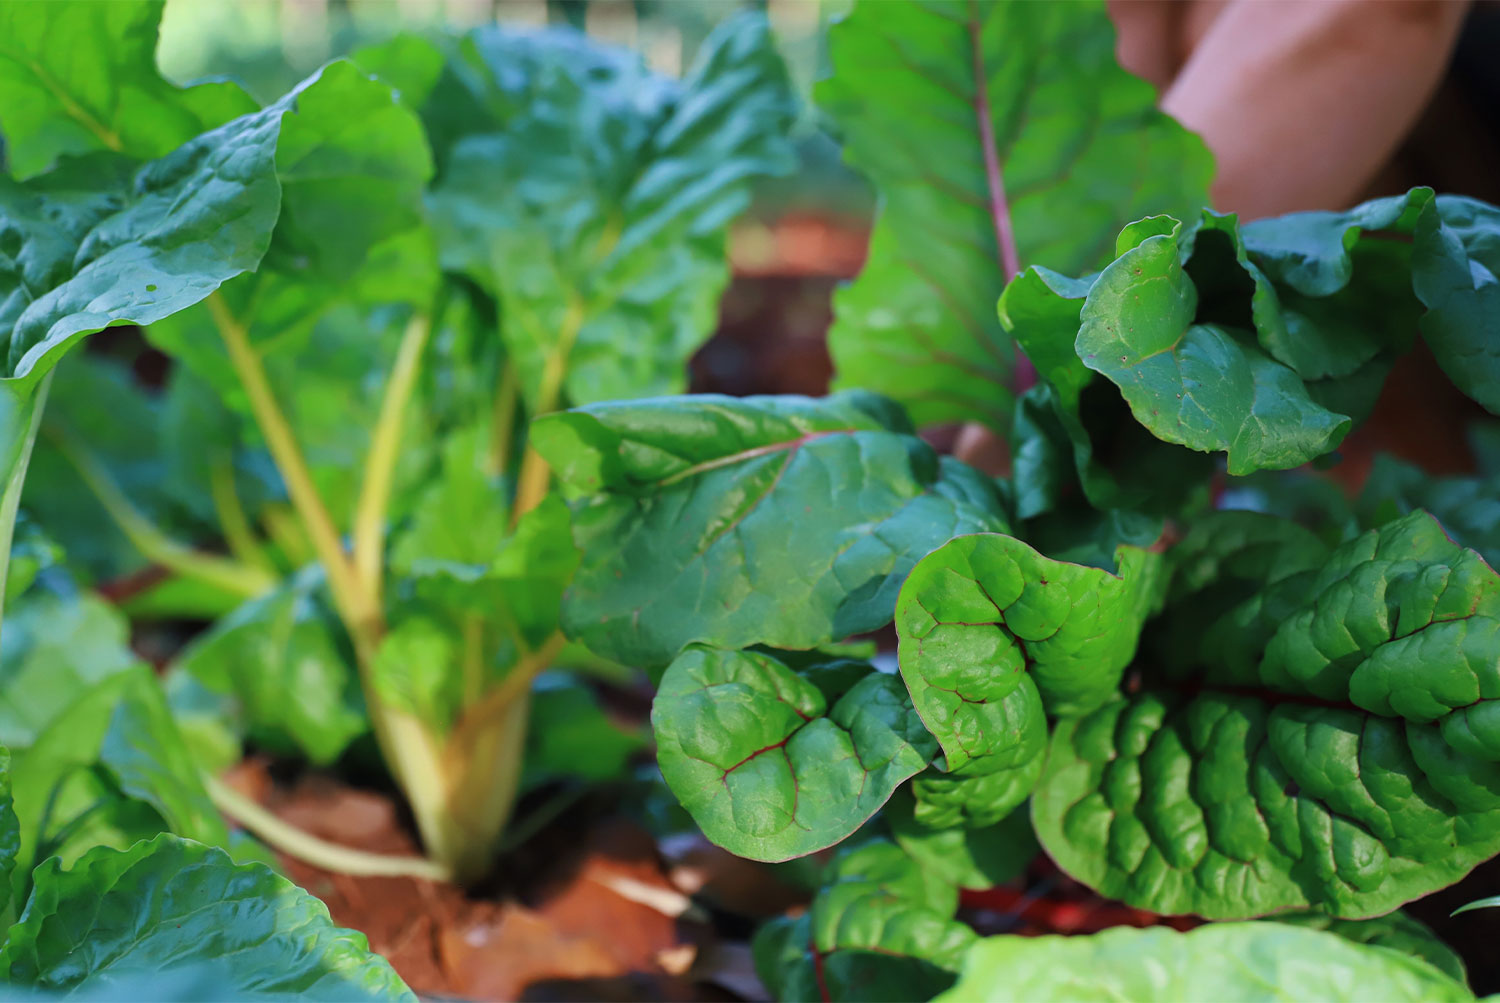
point(1222, 961)
point(770, 765)
point(1335, 776)
point(988, 149)
point(594, 203)
point(774, 520)
point(171, 902)
point(976, 858)
point(79, 77)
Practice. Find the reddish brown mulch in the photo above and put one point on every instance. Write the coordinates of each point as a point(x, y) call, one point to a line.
point(589, 909)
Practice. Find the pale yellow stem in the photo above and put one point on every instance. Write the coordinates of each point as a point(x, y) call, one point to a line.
point(380, 464)
point(536, 476)
point(232, 519)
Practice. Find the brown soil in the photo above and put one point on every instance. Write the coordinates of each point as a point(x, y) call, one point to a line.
point(588, 909)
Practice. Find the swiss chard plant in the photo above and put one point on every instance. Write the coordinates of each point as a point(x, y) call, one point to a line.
point(1193, 709)
point(367, 291)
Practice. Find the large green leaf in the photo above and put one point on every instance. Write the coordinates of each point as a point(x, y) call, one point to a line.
point(1345, 759)
point(592, 201)
point(1227, 962)
point(880, 928)
point(1456, 274)
point(171, 902)
point(774, 764)
point(776, 520)
point(80, 77)
point(968, 117)
point(285, 657)
point(95, 243)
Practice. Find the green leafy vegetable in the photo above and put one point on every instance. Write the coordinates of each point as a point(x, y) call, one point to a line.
point(168, 902)
point(1229, 961)
point(759, 520)
point(1330, 772)
point(988, 150)
point(775, 764)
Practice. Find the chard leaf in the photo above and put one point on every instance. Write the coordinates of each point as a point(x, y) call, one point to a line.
point(880, 928)
point(594, 206)
point(1394, 931)
point(284, 656)
point(95, 243)
point(569, 734)
point(1205, 386)
point(417, 669)
point(110, 770)
point(976, 858)
point(944, 801)
point(1351, 771)
point(1456, 274)
point(767, 764)
point(80, 77)
point(1222, 961)
point(983, 614)
point(777, 520)
point(969, 118)
point(53, 650)
point(170, 902)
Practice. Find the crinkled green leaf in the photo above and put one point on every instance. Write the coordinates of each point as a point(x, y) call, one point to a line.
point(595, 203)
point(984, 613)
point(776, 520)
point(1396, 931)
point(967, 117)
point(80, 77)
point(1350, 768)
point(109, 770)
point(285, 657)
point(944, 800)
point(1227, 962)
point(54, 649)
point(771, 767)
point(976, 858)
point(170, 902)
point(1205, 386)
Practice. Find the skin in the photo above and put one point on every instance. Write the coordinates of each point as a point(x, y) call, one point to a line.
point(1301, 101)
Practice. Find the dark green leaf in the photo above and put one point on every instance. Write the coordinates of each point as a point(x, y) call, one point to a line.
point(767, 765)
point(80, 77)
point(171, 902)
point(969, 117)
point(1468, 507)
point(1345, 759)
point(776, 520)
point(568, 734)
point(1224, 961)
point(10, 837)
